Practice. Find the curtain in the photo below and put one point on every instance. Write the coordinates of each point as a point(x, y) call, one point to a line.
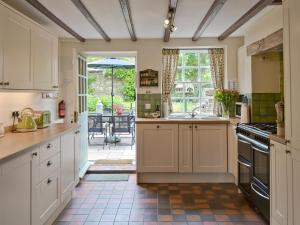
point(216, 56)
point(169, 60)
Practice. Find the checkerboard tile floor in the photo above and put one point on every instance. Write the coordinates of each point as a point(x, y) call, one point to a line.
point(126, 203)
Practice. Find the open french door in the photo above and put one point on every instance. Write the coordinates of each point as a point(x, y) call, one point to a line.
point(82, 113)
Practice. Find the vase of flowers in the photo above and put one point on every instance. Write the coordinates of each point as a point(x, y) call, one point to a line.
point(226, 98)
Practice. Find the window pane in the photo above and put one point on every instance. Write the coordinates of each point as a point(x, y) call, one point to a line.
point(206, 90)
point(191, 74)
point(204, 59)
point(180, 59)
point(178, 106)
point(192, 90)
point(177, 90)
point(191, 104)
point(191, 59)
point(205, 74)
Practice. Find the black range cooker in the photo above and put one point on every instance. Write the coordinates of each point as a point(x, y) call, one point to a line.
point(254, 164)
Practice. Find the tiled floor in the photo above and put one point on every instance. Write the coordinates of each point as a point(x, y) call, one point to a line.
point(125, 203)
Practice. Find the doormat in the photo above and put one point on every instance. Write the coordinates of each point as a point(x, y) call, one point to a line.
point(113, 161)
point(106, 177)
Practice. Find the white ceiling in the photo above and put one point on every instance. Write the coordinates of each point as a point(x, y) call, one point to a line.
point(147, 15)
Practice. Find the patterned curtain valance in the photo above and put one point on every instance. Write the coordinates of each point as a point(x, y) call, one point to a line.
point(167, 51)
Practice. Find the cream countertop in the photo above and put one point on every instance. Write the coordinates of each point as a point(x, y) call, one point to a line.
point(181, 121)
point(15, 143)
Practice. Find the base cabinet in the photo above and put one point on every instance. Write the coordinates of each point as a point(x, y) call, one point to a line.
point(233, 152)
point(210, 148)
point(158, 147)
point(15, 191)
point(185, 148)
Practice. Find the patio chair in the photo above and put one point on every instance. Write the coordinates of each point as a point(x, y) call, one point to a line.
point(124, 124)
point(95, 126)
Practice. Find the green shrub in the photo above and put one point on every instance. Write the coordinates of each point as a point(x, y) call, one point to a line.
point(92, 102)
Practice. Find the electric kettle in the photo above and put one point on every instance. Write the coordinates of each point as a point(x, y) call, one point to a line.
point(26, 122)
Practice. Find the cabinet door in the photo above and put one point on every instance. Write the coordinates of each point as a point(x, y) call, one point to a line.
point(185, 148)
point(42, 59)
point(158, 147)
point(210, 148)
point(279, 198)
point(292, 68)
point(67, 165)
point(16, 51)
point(54, 78)
point(15, 191)
point(293, 187)
point(232, 152)
point(2, 18)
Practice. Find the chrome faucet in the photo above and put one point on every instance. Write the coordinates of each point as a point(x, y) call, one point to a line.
point(193, 114)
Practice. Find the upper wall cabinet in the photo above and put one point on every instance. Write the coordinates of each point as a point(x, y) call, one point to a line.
point(16, 52)
point(44, 59)
point(28, 53)
point(291, 71)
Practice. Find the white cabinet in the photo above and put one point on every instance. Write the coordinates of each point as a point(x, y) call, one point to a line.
point(293, 163)
point(185, 148)
point(15, 191)
point(16, 52)
point(157, 147)
point(232, 152)
point(44, 59)
point(279, 184)
point(2, 17)
point(67, 165)
point(291, 48)
point(210, 148)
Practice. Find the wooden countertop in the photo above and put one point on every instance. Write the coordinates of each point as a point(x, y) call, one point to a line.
point(13, 144)
point(277, 138)
point(181, 121)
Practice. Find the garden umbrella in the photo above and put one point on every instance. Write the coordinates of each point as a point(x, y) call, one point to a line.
point(111, 63)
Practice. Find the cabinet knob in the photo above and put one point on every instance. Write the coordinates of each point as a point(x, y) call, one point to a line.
point(288, 151)
point(157, 126)
point(6, 83)
point(54, 86)
point(190, 126)
point(49, 181)
point(34, 154)
point(49, 146)
point(49, 163)
point(1, 83)
point(196, 126)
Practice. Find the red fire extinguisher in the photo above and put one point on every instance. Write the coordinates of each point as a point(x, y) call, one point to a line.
point(61, 109)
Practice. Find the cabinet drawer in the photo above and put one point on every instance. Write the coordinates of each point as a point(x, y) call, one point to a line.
point(49, 149)
point(47, 197)
point(49, 166)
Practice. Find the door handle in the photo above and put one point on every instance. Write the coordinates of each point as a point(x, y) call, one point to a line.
point(49, 163)
point(49, 146)
point(257, 192)
point(245, 164)
point(49, 181)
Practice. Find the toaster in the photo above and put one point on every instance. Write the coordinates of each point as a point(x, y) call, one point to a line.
point(42, 118)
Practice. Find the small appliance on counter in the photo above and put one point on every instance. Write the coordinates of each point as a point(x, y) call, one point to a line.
point(26, 122)
point(42, 118)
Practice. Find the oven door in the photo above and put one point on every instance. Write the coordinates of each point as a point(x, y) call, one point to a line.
point(261, 166)
point(244, 148)
point(244, 176)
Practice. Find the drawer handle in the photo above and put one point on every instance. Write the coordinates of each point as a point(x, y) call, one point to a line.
point(54, 86)
point(288, 151)
point(190, 126)
point(1, 83)
point(49, 181)
point(34, 154)
point(49, 163)
point(196, 127)
point(157, 126)
point(49, 146)
point(6, 83)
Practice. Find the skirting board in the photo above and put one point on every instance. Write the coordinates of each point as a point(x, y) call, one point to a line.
point(185, 178)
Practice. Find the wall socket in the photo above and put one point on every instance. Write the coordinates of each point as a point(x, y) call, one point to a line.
point(15, 113)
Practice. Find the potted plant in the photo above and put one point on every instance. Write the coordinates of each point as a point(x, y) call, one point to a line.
point(226, 98)
point(118, 108)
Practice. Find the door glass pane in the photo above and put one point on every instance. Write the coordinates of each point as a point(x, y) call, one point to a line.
point(261, 167)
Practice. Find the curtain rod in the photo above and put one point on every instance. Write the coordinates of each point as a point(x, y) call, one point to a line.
point(185, 49)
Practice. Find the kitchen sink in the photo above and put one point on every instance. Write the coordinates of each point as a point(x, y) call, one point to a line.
point(187, 116)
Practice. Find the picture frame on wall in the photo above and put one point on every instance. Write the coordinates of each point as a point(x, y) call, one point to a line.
point(149, 78)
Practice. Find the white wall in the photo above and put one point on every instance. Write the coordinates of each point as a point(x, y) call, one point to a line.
point(10, 101)
point(148, 57)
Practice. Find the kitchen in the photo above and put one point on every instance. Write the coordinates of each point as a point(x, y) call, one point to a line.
point(42, 172)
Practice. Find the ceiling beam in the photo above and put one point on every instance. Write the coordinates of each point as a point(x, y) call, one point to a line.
point(170, 16)
point(37, 5)
point(245, 18)
point(81, 7)
point(210, 15)
point(128, 19)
